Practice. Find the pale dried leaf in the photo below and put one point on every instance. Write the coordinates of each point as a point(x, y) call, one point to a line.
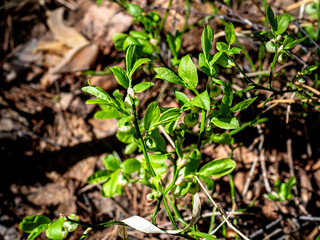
point(145, 226)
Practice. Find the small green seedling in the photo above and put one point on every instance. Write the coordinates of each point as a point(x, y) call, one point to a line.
point(283, 190)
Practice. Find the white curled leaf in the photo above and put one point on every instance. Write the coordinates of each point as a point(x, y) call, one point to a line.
point(142, 225)
point(145, 226)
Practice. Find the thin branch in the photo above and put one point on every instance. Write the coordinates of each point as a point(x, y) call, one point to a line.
point(247, 184)
point(221, 211)
point(217, 228)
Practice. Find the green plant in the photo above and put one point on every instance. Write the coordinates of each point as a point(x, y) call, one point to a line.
point(145, 134)
point(212, 102)
point(283, 190)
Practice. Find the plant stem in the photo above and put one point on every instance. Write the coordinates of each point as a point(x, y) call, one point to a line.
point(142, 143)
point(187, 7)
point(202, 128)
point(164, 18)
point(271, 68)
point(257, 86)
point(175, 210)
point(155, 212)
point(246, 54)
point(175, 176)
point(169, 212)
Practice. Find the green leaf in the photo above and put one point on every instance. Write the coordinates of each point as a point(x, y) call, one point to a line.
point(130, 165)
point(158, 163)
point(181, 97)
point(29, 223)
point(227, 98)
point(147, 48)
point(217, 168)
point(131, 148)
point(134, 10)
point(111, 163)
point(142, 35)
point(271, 19)
point(129, 41)
point(118, 40)
point(226, 123)
point(130, 58)
point(151, 116)
point(309, 70)
point(291, 43)
point(127, 136)
point(242, 105)
point(168, 75)
point(122, 121)
point(188, 72)
point(111, 113)
point(140, 87)
point(170, 127)
point(98, 92)
point(230, 34)
point(100, 101)
point(181, 190)
point(244, 90)
point(234, 50)
point(283, 21)
point(98, 176)
point(172, 46)
point(168, 116)
point(208, 181)
point(223, 60)
point(215, 58)
point(137, 64)
point(36, 232)
point(206, 41)
point(119, 102)
point(110, 188)
point(202, 101)
point(121, 76)
point(160, 143)
point(203, 235)
point(204, 66)
point(223, 138)
point(55, 230)
point(193, 162)
point(222, 47)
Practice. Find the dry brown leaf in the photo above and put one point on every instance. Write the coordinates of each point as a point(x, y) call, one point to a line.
point(53, 47)
point(82, 170)
point(101, 22)
point(75, 50)
point(63, 33)
point(54, 194)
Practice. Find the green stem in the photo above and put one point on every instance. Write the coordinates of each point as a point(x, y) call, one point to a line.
point(187, 7)
point(164, 18)
point(232, 191)
point(175, 211)
point(202, 128)
point(142, 143)
point(272, 66)
point(246, 54)
point(155, 212)
point(212, 219)
point(169, 212)
point(175, 176)
point(257, 86)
